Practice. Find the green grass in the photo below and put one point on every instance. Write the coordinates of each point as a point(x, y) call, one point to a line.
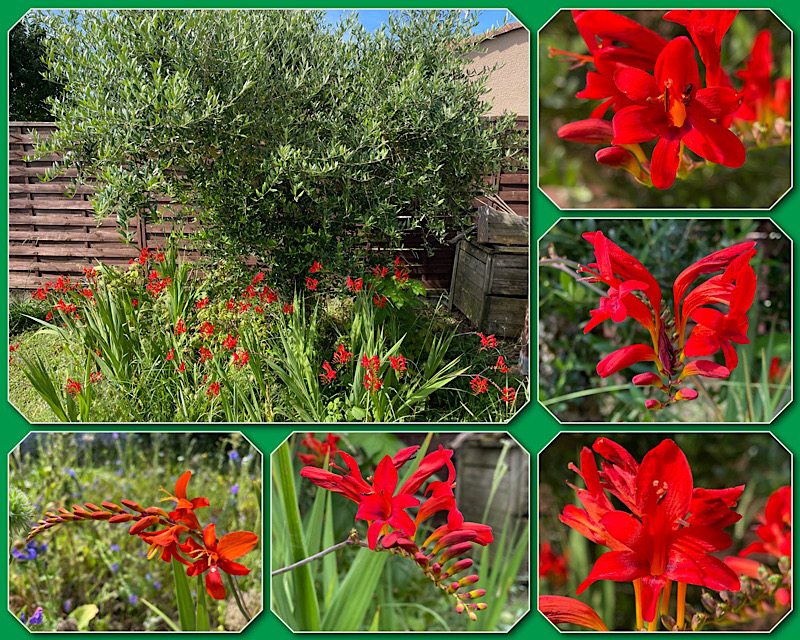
point(20, 392)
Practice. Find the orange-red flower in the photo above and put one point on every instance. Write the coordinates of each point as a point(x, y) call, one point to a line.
point(215, 555)
point(184, 507)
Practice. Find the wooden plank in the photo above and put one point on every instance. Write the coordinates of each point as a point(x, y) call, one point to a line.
point(497, 227)
point(505, 316)
point(60, 219)
point(518, 177)
point(72, 250)
point(66, 204)
point(14, 171)
point(62, 236)
point(48, 188)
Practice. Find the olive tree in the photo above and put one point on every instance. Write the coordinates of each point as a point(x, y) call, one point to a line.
point(288, 138)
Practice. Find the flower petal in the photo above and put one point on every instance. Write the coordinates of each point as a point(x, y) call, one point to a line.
point(560, 609)
point(665, 161)
point(636, 84)
point(636, 124)
point(236, 544)
point(625, 357)
point(619, 566)
point(714, 142)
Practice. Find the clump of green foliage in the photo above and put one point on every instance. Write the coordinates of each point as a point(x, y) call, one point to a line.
point(287, 137)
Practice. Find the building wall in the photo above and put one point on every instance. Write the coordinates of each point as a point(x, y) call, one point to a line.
point(510, 84)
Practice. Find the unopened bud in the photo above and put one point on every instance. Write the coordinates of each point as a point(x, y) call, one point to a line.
point(668, 622)
point(458, 566)
point(455, 551)
point(91, 507)
point(143, 524)
point(784, 564)
point(621, 158)
point(686, 394)
point(472, 615)
point(102, 515)
point(468, 580)
point(156, 511)
point(133, 505)
point(110, 506)
point(454, 538)
point(653, 404)
point(698, 620)
point(649, 379)
point(590, 131)
point(708, 602)
point(121, 517)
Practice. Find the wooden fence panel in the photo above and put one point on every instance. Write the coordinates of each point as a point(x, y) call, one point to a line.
point(52, 234)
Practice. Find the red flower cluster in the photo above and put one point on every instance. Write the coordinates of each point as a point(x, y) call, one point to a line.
point(329, 373)
point(385, 509)
point(734, 285)
point(320, 450)
point(656, 93)
point(229, 342)
point(372, 381)
point(73, 387)
point(667, 532)
point(552, 566)
point(200, 549)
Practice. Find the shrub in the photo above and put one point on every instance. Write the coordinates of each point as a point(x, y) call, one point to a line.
point(289, 138)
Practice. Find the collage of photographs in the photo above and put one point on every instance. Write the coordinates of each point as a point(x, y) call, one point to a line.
point(272, 361)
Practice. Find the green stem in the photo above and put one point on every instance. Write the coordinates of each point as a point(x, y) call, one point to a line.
point(238, 597)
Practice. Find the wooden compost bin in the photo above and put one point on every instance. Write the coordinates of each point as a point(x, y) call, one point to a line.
point(490, 284)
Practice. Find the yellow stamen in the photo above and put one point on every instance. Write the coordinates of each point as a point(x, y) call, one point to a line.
point(681, 596)
point(151, 552)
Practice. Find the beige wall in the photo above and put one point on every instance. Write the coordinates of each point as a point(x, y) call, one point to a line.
point(510, 84)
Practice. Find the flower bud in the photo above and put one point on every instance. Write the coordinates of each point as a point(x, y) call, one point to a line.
point(156, 511)
point(590, 131)
point(133, 505)
point(458, 566)
point(120, 517)
point(455, 551)
point(621, 158)
point(649, 379)
point(453, 538)
point(110, 506)
point(143, 524)
point(686, 394)
point(653, 404)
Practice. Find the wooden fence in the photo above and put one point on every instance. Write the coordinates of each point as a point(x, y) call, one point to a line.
point(51, 233)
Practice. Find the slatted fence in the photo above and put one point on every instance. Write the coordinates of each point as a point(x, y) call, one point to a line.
point(51, 233)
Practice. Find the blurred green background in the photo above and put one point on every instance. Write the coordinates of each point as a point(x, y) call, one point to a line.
point(97, 563)
point(568, 380)
point(572, 178)
point(717, 460)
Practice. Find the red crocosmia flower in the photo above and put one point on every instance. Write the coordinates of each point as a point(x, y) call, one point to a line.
point(382, 509)
point(205, 355)
point(134, 301)
point(230, 304)
point(379, 300)
point(372, 382)
point(288, 309)
point(657, 547)
point(202, 303)
point(509, 395)
point(715, 507)
point(354, 285)
point(315, 267)
point(763, 101)
point(182, 368)
point(311, 284)
point(672, 108)
point(329, 373)
point(241, 358)
point(165, 544)
point(707, 28)
point(184, 507)
point(321, 450)
point(342, 355)
point(213, 389)
point(215, 556)
point(716, 330)
point(591, 131)
point(259, 277)
point(229, 342)
point(613, 306)
point(552, 566)
point(180, 327)
point(207, 329)
point(379, 272)
point(170, 355)
point(487, 342)
point(398, 363)
point(73, 387)
point(479, 385)
point(501, 365)
point(401, 275)
point(563, 610)
point(775, 530)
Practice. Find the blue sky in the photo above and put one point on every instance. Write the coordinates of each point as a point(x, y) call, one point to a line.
point(372, 18)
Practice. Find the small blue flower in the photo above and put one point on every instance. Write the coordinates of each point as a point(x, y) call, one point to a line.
point(157, 584)
point(133, 598)
point(37, 617)
point(71, 473)
point(67, 605)
point(114, 547)
point(22, 617)
point(115, 435)
point(115, 567)
point(235, 489)
point(233, 455)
